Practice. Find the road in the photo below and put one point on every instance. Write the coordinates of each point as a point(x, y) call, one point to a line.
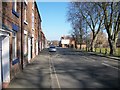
point(74, 69)
point(69, 68)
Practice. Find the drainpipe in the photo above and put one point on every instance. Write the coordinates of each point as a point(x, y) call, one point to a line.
point(22, 36)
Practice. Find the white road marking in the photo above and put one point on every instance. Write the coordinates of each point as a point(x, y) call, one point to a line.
point(110, 66)
point(105, 61)
point(52, 65)
point(50, 73)
point(88, 59)
point(56, 75)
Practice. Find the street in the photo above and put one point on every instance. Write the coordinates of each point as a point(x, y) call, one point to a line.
point(68, 68)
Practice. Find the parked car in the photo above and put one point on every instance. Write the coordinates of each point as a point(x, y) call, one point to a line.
point(52, 49)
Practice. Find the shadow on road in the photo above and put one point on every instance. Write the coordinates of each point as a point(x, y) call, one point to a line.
point(86, 74)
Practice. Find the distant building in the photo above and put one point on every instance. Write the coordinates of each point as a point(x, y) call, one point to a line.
point(55, 42)
point(67, 41)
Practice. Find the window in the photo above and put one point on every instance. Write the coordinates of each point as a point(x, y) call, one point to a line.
point(33, 20)
point(15, 5)
point(33, 5)
point(25, 15)
point(14, 48)
point(14, 8)
point(26, 2)
point(33, 45)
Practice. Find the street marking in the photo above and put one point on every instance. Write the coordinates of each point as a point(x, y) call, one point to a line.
point(50, 73)
point(105, 61)
point(52, 65)
point(110, 66)
point(88, 58)
point(56, 75)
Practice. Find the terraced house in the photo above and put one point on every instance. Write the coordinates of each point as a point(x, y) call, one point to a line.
point(20, 37)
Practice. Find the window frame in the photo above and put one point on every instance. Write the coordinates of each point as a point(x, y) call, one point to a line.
point(14, 8)
point(33, 18)
point(14, 45)
point(25, 42)
point(15, 5)
point(25, 15)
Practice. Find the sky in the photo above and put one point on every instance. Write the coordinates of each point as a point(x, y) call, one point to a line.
point(54, 20)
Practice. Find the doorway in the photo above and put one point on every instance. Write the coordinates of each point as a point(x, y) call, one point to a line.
point(29, 49)
point(4, 59)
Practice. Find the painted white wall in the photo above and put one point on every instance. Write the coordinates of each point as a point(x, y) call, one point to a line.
point(65, 41)
point(5, 59)
point(29, 49)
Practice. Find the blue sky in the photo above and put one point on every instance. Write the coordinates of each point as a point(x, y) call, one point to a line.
point(54, 22)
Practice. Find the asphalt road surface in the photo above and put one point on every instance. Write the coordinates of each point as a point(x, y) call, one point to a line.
point(69, 68)
point(73, 69)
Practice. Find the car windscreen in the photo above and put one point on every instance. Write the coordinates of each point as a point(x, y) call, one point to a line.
point(52, 47)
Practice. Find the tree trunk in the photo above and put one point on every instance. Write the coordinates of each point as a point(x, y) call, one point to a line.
point(92, 45)
point(112, 45)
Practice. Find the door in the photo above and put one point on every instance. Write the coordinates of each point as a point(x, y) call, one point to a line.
point(29, 49)
point(36, 48)
point(5, 59)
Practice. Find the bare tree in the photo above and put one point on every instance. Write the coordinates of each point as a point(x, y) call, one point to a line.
point(111, 13)
point(88, 13)
point(77, 24)
point(101, 39)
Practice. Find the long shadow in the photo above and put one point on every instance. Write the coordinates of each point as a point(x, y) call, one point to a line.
point(102, 75)
point(31, 77)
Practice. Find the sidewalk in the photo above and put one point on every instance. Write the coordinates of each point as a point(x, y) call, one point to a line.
point(35, 75)
point(99, 54)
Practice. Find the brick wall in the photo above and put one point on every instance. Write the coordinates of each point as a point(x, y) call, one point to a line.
point(9, 19)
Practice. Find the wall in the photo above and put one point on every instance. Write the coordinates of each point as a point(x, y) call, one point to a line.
point(13, 23)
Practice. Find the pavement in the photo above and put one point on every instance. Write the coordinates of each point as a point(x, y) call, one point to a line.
point(35, 75)
point(108, 56)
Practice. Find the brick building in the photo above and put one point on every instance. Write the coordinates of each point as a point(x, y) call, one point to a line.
point(10, 40)
point(67, 41)
point(20, 37)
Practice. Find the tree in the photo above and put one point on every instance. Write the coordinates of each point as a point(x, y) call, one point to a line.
point(77, 24)
point(88, 13)
point(111, 13)
point(101, 39)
